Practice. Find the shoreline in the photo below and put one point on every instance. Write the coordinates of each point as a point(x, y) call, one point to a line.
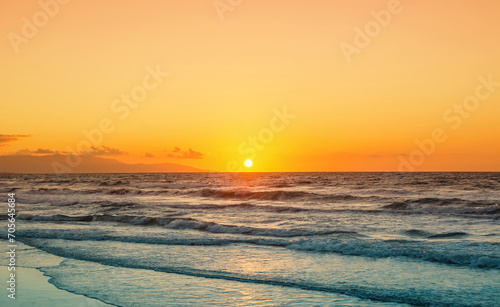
point(34, 289)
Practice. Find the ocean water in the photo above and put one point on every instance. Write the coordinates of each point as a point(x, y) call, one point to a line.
point(264, 239)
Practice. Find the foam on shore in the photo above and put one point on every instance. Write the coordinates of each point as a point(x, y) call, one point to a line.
point(34, 289)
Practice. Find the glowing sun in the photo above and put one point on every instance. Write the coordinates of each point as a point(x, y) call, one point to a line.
point(248, 163)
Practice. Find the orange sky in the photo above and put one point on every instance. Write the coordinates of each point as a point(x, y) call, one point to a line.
point(228, 78)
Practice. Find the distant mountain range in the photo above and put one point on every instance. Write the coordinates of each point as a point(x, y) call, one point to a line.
point(87, 164)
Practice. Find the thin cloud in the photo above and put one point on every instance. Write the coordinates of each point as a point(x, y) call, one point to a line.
point(7, 138)
point(39, 151)
point(106, 151)
point(94, 151)
point(185, 154)
point(191, 154)
point(148, 155)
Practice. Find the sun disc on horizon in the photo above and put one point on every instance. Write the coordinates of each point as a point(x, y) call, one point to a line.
point(248, 163)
